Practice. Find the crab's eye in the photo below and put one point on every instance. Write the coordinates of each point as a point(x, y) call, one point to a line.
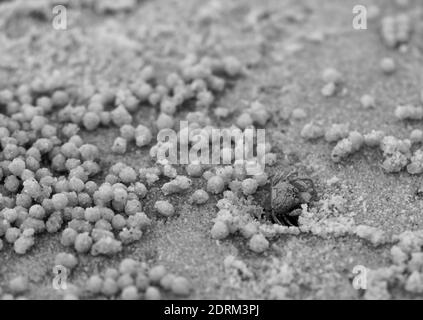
point(303, 184)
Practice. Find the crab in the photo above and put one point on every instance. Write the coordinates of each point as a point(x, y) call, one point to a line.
point(288, 192)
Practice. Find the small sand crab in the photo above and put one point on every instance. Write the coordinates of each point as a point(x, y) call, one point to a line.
point(288, 192)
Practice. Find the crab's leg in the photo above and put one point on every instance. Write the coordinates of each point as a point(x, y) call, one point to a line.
point(275, 219)
point(277, 178)
point(291, 174)
point(284, 219)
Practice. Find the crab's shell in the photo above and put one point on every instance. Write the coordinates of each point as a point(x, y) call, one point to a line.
point(284, 198)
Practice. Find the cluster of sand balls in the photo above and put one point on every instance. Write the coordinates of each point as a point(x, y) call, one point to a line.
point(132, 280)
point(51, 176)
point(47, 169)
point(406, 269)
point(40, 200)
point(231, 219)
point(397, 153)
point(347, 142)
